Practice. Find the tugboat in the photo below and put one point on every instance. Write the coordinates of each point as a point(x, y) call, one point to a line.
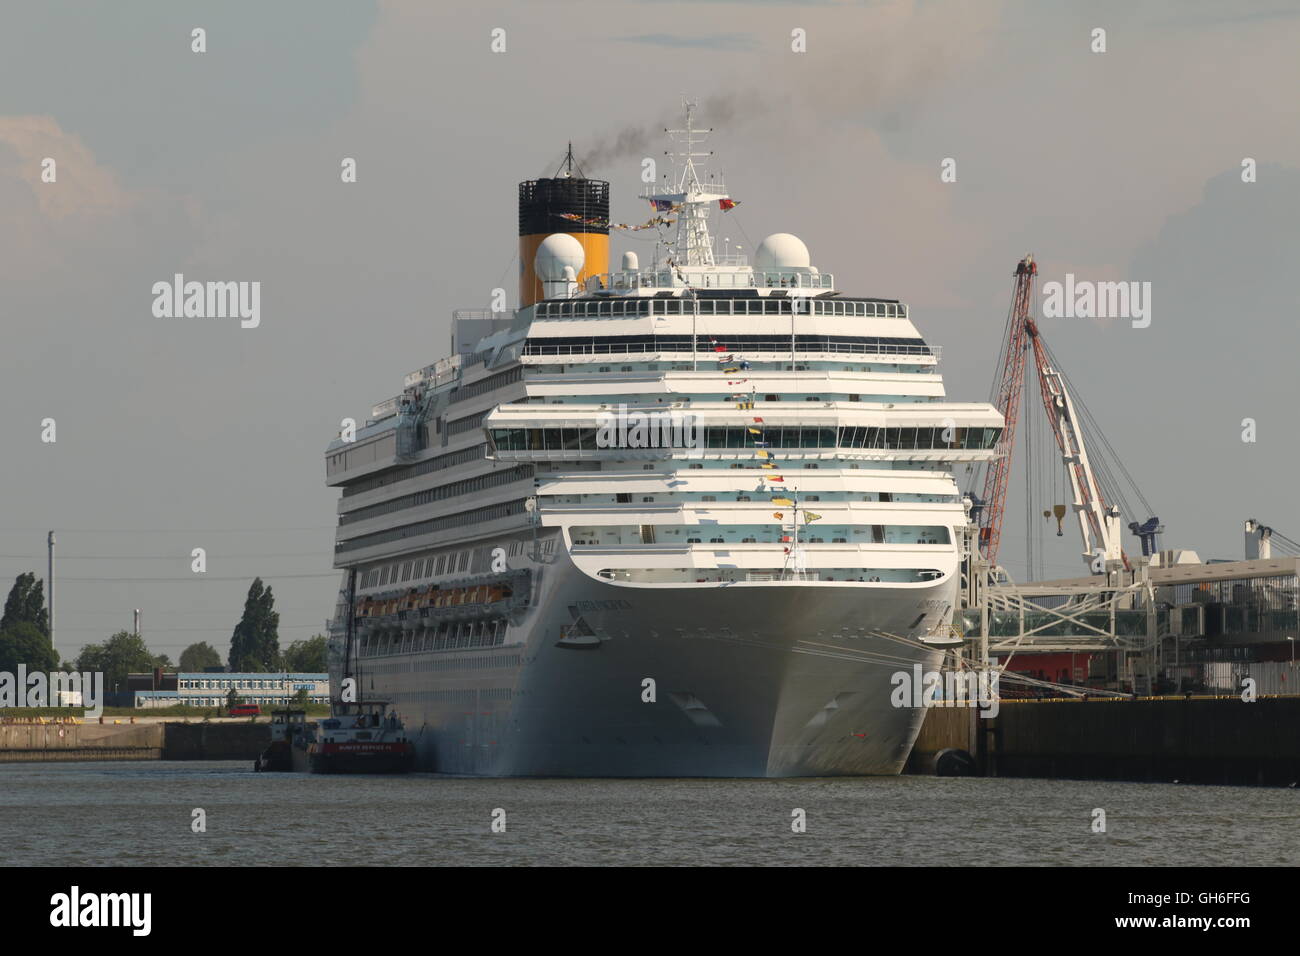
point(361, 737)
point(291, 734)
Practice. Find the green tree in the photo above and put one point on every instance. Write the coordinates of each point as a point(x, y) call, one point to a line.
point(199, 657)
point(255, 645)
point(123, 653)
point(26, 602)
point(307, 657)
point(25, 643)
point(301, 698)
point(233, 699)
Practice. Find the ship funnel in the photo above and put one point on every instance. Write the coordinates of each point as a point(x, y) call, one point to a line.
point(568, 204)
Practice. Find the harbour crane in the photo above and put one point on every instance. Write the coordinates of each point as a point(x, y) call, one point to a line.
point(1099, 522)
point(1009, 383)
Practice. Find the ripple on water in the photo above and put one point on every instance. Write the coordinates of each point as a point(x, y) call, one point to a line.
point(123, 810)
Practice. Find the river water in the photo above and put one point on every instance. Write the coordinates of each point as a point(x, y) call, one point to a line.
point(140, 813)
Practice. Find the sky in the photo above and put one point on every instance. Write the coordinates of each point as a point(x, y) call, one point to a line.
point(182, 433)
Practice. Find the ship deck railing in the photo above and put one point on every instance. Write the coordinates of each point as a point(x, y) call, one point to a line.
point(777, 348)
point(668, 279)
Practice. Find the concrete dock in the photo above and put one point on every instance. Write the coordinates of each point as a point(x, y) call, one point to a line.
point(144, 740)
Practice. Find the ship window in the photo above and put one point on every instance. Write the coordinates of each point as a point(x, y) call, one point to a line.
point(649, 498)
point(695, 464)
point(442, 563)
point(771, 398)
point(464, 561)
point(623, 498)
point(708, 498)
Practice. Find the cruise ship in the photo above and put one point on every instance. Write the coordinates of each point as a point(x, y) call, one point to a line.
point(689, 518)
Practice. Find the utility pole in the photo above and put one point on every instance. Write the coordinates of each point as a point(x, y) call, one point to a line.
point(50, 582)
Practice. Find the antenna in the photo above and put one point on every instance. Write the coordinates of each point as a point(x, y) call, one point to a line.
point(688, 195)
point(567, 165)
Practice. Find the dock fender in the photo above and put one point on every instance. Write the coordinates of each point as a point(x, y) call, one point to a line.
point(954, 763)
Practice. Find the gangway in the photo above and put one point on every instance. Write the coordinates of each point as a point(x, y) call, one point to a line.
point(1085, 617)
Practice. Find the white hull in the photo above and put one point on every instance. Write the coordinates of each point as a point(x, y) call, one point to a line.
point(763, 680)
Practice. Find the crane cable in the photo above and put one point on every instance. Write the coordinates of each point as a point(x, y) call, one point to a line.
point(1291, 546)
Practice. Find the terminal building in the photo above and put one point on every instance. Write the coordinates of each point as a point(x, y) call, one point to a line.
point(212, 688)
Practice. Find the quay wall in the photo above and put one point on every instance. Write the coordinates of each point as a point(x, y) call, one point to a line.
point(34, 742)
point(1207, 740)
point(22, 742)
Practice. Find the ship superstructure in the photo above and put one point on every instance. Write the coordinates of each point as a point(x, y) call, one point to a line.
point(690, 519)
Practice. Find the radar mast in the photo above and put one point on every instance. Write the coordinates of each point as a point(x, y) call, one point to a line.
point(688, 195)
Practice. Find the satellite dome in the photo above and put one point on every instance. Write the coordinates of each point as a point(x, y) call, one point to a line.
point(555, 253)
point(781, 252)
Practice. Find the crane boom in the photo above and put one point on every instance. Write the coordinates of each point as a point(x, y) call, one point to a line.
point(1097, 522)
point(1011, 380)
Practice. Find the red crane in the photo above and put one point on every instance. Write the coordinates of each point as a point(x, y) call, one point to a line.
point(1011, 380)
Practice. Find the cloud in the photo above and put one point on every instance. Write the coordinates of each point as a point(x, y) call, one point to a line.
point(82, 188)
point(708, 41)
point(85, 222)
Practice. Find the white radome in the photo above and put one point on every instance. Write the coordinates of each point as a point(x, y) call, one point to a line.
point(781, 252)
point(556, 252)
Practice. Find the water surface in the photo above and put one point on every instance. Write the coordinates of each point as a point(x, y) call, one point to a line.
point(139, 814)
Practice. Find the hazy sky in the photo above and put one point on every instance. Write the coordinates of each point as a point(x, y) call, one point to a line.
point(181, 433)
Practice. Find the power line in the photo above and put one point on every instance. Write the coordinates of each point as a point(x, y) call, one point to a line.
point(200, 578)
point(153, 617)
point(162, 557)
point(214, 627)
point(262, 530)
